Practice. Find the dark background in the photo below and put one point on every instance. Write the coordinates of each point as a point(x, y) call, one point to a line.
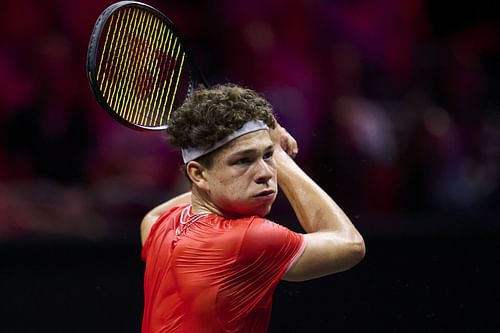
point(395, 105)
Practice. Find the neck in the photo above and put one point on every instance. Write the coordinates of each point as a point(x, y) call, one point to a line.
point(201, 204)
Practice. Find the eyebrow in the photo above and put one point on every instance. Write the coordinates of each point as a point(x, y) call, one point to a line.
point(250, 151)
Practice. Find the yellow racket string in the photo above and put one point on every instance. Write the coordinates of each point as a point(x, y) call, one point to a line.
point(176, 86)
point(149, 70)
point(125, 63)
point(129, 47)
point(145, 71)
point(135, 68)
point(137, 56)
point(108, 62)
point(166, 57)
point(142, 60)
point(132, 65)
point(158, 72)
point(155, 72)
point(114, 97)
point(170, 79)
point(104, 51)
point(114, 65)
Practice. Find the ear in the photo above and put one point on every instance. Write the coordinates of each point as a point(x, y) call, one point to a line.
point(198, 175)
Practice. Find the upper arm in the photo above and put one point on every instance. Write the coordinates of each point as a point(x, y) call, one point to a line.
point(147, 223)
point(152, 216)
point(325, 252)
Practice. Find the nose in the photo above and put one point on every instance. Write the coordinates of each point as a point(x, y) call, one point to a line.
point(265, 172)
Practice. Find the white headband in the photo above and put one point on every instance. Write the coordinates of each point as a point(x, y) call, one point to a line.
point(189, 154)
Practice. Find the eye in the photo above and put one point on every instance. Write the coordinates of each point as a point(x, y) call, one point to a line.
point(243, 161)
point(268, 155)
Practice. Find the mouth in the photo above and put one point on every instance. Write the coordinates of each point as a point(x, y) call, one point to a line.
point(266, 194)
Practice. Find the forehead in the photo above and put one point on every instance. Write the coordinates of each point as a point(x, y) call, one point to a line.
point(257, 140)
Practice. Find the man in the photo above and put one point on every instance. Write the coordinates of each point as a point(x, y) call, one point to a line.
point(212, 259)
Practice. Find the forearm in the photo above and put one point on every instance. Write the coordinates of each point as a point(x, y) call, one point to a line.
point(332, 243)
point(315, 209)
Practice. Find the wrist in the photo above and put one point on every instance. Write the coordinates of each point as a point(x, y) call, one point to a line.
point(286, 166)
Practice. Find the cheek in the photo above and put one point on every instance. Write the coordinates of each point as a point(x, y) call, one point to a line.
point(233, 189)
point(236, 187)
point(231, 179)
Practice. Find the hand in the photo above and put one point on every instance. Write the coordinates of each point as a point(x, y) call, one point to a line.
point(284, 140)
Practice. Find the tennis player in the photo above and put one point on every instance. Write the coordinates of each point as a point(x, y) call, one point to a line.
point(212, 259)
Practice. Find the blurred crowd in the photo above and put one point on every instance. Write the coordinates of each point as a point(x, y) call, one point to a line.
point(396, 113)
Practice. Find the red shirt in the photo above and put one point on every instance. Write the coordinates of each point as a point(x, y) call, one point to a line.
point(218, 275)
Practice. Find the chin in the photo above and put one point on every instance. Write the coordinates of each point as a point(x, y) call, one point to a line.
point(263, 212)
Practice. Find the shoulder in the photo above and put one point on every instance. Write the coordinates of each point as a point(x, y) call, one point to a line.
point(259, 226)
point(159, 229)
point(270, 247)
point(151, 223)
point(264, 234)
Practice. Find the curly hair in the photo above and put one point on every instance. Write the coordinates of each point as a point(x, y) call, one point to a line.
point(209, 115)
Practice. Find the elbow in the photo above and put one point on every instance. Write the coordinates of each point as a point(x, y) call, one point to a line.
point(360, 249)
point(356, 250)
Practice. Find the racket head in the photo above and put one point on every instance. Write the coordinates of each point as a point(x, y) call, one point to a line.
point(139, 66)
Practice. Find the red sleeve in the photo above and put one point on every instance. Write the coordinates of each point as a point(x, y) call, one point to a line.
point(160, 228)
point(267, 251)
point(275, 246)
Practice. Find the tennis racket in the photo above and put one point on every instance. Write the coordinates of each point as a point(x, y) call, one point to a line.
point(139, 66)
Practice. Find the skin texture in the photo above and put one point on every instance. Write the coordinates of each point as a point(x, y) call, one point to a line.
point(244, 180)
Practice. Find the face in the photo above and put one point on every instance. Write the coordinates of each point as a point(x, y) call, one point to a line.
point(242, 180)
